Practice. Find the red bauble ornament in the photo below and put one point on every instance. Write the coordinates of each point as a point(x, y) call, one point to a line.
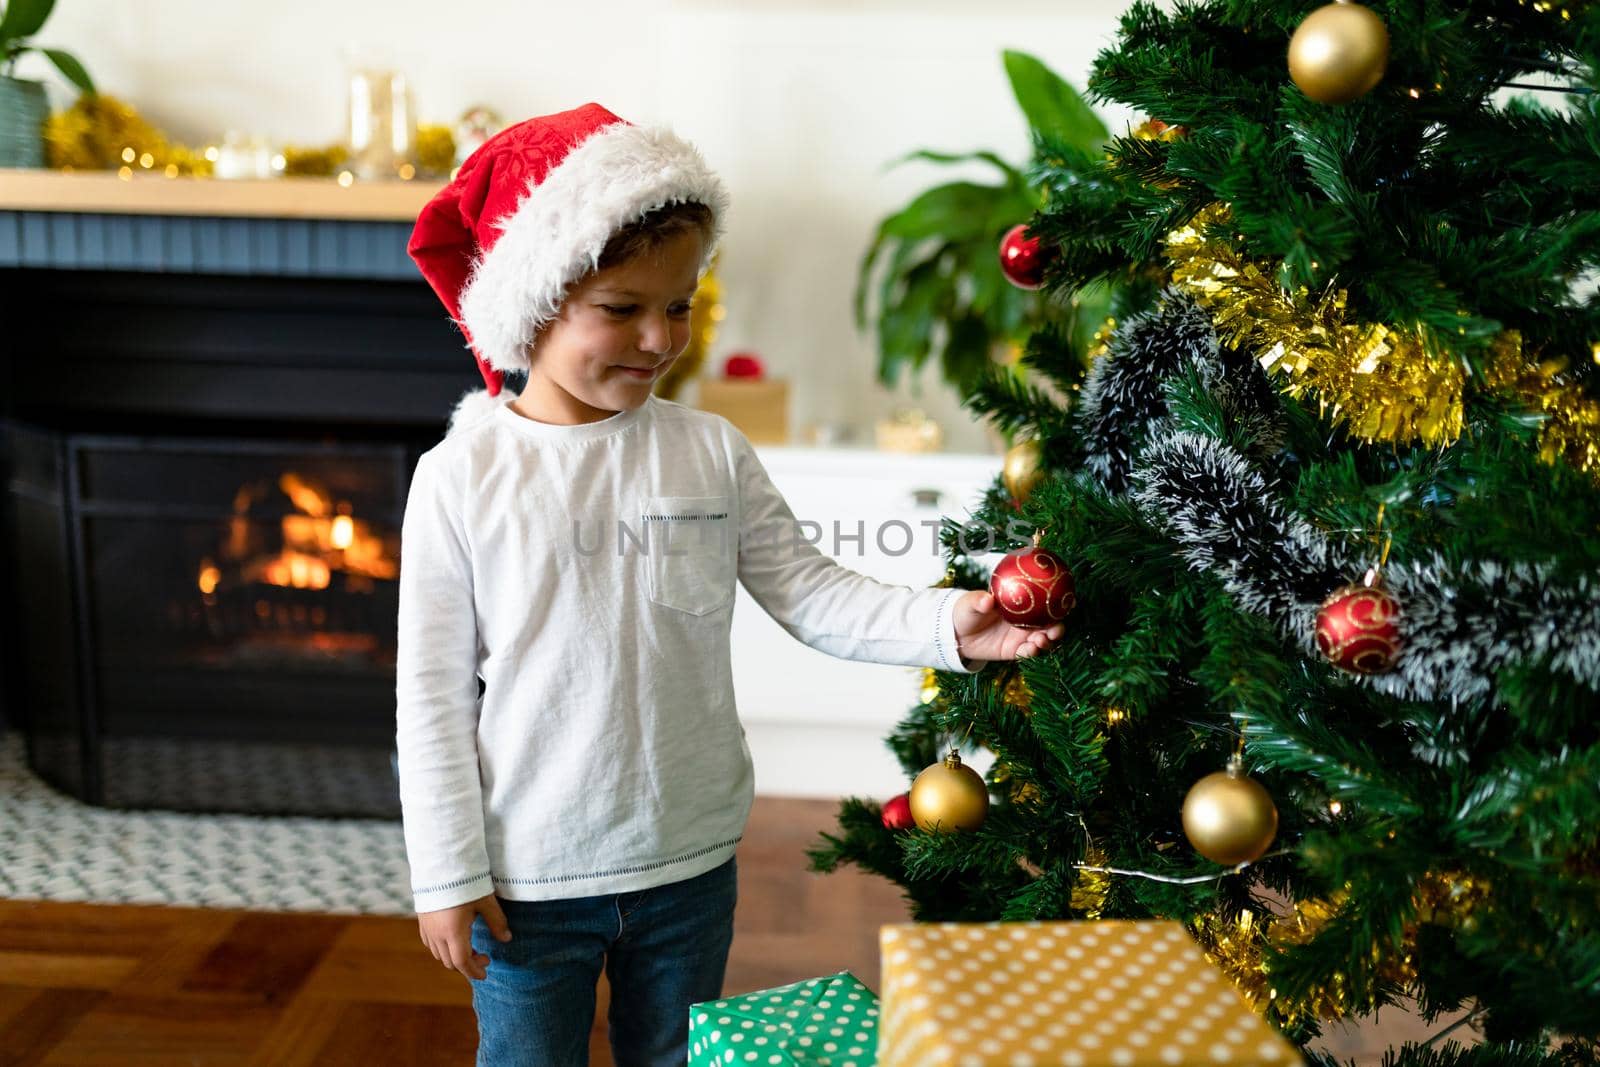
point(897, 813)
point(743, 365)
point(1032, 588)
point(1358, 629)
point(1022, 258)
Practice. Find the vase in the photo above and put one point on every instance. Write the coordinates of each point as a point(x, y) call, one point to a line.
point(383, 123)
point(23, 109)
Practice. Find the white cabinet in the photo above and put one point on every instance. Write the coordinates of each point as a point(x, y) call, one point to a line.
point(816, 724)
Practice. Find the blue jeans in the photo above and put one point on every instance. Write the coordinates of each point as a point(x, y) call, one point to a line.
point(662, 949)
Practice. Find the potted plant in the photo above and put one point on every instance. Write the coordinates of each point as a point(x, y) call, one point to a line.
point(934, 264)
point(23, 107)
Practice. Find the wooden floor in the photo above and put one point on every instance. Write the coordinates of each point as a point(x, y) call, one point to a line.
point(86, 985)
point(131, 986)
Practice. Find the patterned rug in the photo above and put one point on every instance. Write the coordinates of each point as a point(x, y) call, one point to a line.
point(53, 847)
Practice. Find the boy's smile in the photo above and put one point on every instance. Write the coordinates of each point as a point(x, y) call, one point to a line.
point(618, 330)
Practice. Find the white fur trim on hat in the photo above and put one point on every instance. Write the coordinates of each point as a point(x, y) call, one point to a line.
point(555, 236)
point(474, 405)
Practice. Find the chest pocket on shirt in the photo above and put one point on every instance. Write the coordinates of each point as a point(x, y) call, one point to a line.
point(690, 555)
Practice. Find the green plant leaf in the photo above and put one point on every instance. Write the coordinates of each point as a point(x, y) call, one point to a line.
point(23, 18)
point(988, 288)
point(1052, 105)
point(903, 251)
point(1005, 214)
point(69, 66)
point(966, 351)
point(905, 330)
point(930, 282)
point(955, 211)
point(1014, 177)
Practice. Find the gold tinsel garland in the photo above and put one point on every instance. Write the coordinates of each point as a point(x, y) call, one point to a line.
point(1240, 946)
point(1089, 893)
point(1378, 380)
point(1018, 694)
point(1571, 429)
point(101, 132)
point(705, 315)
point(302, 162)
point(436, 150)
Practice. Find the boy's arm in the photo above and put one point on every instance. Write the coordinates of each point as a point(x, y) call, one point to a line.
point(436, 700)
point(828, 606)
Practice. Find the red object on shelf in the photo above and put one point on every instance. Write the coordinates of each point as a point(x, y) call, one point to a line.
point(743, 365)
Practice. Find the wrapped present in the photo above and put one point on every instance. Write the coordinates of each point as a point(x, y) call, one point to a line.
point(821, 1022)
point(1119, 994)
point(757, 406)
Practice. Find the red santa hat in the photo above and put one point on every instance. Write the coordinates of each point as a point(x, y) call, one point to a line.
point(529, 213)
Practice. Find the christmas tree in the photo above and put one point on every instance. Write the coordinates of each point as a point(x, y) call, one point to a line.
point(1328, 487)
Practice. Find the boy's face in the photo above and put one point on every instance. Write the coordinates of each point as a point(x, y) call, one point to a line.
point(617, 332)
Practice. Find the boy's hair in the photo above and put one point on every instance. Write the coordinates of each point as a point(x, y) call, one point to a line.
point(655, 229)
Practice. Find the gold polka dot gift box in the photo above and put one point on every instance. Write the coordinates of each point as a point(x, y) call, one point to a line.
point(821, 1022)
point(1066, 994)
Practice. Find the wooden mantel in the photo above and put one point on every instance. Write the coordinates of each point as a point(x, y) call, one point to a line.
point(105, 193)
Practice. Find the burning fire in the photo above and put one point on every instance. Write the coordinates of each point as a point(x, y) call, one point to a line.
point(322, 539)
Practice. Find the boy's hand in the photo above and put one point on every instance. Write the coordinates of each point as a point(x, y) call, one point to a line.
point(982, 634)
point(448, 934)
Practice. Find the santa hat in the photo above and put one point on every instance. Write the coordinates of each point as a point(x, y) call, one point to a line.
point(530, 212)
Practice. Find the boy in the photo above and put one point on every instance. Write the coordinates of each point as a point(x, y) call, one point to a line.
point(576, 548)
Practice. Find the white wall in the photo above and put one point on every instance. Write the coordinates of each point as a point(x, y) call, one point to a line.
point(798, 104)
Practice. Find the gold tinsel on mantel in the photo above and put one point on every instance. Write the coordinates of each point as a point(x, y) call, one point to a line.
point(1378, 380)
point(101, 132)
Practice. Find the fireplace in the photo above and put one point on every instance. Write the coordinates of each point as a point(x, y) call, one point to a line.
point(205, 482)
point(235, 611)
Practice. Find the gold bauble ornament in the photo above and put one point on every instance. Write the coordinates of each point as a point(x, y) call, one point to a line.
point(949, 796)
point(1338, 53)
point(1229, 818)
point(1023, 468)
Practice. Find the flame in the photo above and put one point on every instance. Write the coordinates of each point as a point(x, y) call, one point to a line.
point(294, 570)
point(305, 497)
point(317, 543)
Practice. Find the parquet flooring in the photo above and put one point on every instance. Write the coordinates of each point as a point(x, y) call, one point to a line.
point(87, 985)
point(84, 985)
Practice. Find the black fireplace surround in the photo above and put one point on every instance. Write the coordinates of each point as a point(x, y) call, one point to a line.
point(205, 477)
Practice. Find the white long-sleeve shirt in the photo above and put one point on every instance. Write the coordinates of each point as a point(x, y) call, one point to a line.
point(586, 573)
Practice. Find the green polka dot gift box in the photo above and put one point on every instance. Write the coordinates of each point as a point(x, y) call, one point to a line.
point(821, 1022)
point(1112, 993)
